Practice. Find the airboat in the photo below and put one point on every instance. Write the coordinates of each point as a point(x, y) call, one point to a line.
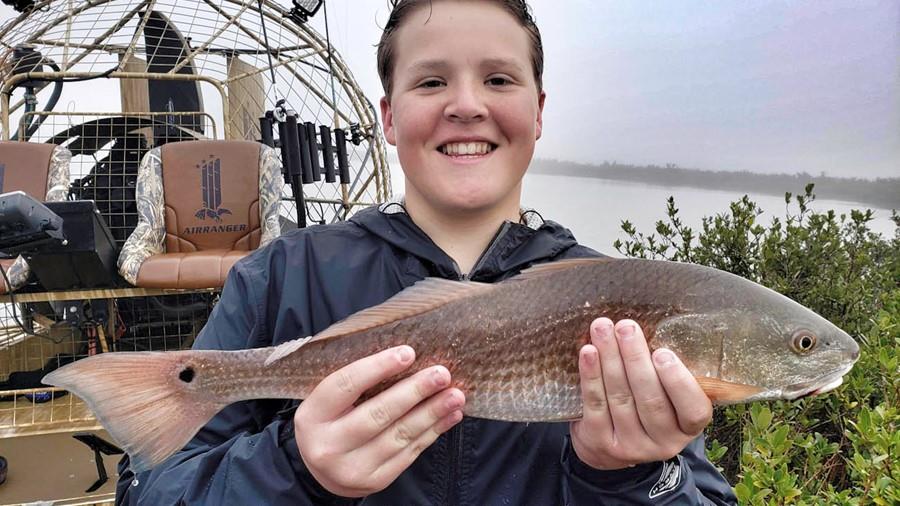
point(93, 89)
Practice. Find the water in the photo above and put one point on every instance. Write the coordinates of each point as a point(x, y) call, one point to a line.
point(593, 208)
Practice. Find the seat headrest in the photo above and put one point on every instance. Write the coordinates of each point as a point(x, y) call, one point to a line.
point(25, 166)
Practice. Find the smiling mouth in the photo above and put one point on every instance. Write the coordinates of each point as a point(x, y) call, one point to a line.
point(467, 148)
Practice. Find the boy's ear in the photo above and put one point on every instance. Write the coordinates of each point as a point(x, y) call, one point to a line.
point(387, 121)
point(540, 116)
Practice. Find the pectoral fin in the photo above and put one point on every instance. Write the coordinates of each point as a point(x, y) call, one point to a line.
point(726, 392)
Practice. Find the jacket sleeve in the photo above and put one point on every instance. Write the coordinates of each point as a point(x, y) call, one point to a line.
point(240, 456)
point(687, 479)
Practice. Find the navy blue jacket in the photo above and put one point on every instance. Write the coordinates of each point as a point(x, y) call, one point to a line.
point(308, 279)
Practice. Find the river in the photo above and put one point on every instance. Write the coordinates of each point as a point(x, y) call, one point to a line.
point(593, 208)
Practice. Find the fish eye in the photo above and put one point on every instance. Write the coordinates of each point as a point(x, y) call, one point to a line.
point(803, 341)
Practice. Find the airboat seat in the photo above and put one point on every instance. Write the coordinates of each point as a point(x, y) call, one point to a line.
point(40, 170)
point(202, 206)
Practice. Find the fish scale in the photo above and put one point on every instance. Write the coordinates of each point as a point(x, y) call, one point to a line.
point(511, 347)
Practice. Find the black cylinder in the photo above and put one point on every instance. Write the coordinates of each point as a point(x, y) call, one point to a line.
point(340, 143)
point(265, 131)
point(313, 151)
point(293, 176)
point(285, 150)
point(327, 153)
point(291, 141)
point(305, 163)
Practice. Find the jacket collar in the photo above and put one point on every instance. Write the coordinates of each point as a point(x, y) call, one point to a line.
point(516, 246)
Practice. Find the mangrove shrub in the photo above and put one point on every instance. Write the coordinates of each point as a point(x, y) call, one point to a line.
point(842, 447)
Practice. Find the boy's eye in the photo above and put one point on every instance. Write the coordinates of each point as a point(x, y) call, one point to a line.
point(498, 81)
point(431, 83)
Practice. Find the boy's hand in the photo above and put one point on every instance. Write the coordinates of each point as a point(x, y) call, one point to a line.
point(354, 451)
point(636, 409)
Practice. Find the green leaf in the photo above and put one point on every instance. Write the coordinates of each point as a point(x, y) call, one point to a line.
point(761, 416)
point(742, 492)
point(780, 436)
point(761, 494)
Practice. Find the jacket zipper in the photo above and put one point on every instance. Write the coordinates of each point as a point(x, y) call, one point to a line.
point(456, 432)
point(484, 254)
point(455, 459)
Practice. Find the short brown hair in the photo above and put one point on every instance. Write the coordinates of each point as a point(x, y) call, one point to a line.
point(519, 9)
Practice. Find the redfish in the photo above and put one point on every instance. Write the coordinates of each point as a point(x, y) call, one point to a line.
point(511, 347)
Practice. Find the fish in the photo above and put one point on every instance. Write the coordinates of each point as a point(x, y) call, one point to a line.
point(512, 347)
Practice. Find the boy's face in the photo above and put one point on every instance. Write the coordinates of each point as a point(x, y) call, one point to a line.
point(463, 81)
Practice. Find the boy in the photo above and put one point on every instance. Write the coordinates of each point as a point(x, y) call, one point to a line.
point(463, 103)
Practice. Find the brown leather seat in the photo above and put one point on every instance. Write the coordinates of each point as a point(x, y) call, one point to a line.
point(202, 205)
point(40, 170)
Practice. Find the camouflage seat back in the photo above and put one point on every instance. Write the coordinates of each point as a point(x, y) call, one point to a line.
point(211, 192)
point(40, 170)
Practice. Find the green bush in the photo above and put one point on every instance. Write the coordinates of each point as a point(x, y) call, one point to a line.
point(839, 448)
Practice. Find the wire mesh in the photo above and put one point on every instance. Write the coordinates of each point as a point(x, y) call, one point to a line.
point(106, 151)
point(55, 333)
point(172, 42)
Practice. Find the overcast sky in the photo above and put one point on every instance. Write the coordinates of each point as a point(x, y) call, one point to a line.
point(766, 86)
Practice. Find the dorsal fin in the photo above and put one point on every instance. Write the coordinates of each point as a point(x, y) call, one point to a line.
point(425, 295)
point(285, 349)
point(560, 265)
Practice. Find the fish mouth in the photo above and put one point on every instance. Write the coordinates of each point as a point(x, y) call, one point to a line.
point(823, 384)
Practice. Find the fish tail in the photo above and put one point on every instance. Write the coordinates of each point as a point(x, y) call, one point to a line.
point(141, 401)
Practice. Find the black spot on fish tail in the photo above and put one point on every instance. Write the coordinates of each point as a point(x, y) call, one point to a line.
point(187, 375)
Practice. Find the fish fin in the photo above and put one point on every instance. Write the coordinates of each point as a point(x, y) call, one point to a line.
point(139, 400)
point(559, 265)
point(428, 294)
point(425, 295)
point(725, 392)
point(285, 349)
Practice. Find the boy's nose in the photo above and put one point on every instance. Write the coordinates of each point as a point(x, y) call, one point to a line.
point(466, 104)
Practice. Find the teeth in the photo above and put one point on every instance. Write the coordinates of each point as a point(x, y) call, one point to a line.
point(466, 148)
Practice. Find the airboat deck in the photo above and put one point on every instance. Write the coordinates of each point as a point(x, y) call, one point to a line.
point(57, 469)
point(24, 412)
point(37, 424)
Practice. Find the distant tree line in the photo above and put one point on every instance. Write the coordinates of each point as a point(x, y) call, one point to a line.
point(881, 192)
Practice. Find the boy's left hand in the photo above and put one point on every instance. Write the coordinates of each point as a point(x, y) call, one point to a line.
point(637, 409)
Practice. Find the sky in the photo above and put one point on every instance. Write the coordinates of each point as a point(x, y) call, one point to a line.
point(766, 86)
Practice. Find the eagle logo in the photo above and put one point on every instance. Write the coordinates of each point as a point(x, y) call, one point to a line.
point(211, 190)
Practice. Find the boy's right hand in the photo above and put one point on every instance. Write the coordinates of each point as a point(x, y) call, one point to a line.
point(354, 451)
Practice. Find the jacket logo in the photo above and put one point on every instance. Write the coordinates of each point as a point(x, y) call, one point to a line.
point(211, 190)
point(669, 479)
